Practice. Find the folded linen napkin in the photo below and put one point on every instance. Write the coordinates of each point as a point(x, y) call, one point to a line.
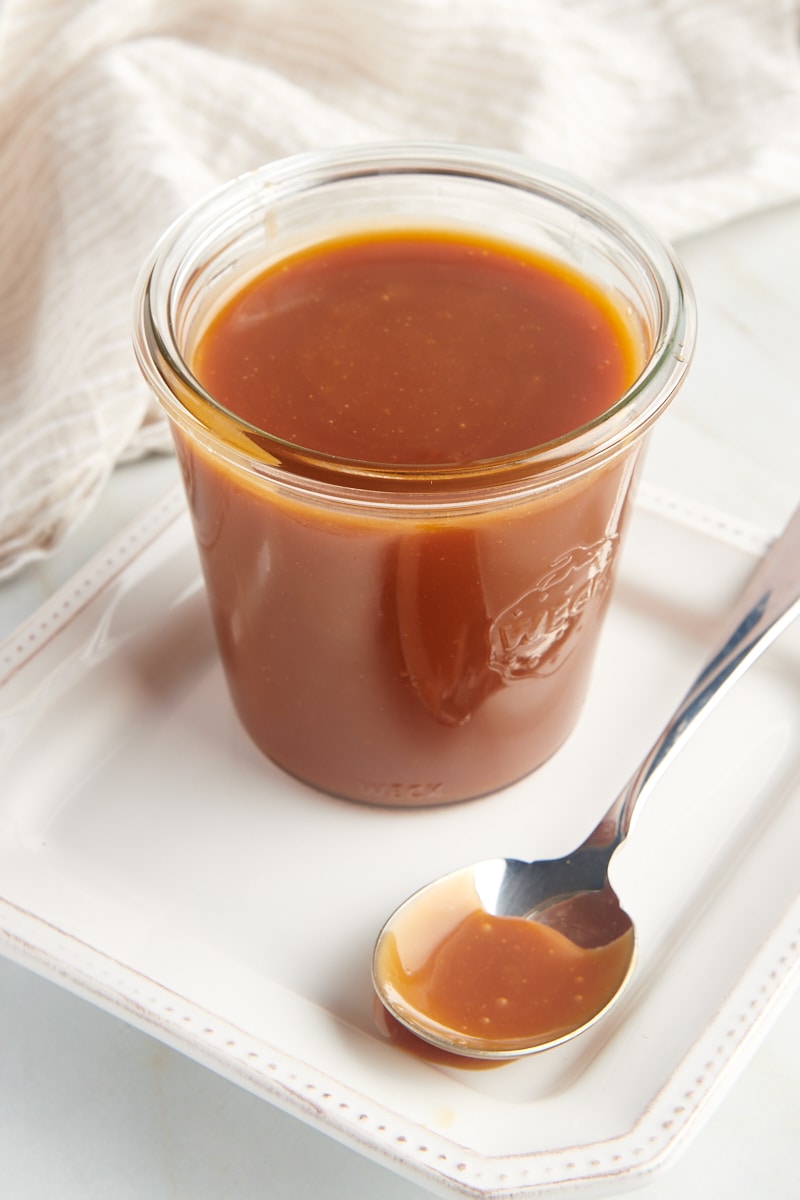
point(116, 114)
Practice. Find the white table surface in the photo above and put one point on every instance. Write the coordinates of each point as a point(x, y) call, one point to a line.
point(92, 1108)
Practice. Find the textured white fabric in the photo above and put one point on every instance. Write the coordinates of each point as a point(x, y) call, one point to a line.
point(116, 114)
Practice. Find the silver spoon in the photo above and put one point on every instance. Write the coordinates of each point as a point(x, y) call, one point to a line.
point(572, 895)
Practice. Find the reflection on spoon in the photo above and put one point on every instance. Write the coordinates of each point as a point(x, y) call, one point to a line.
point(505, 958)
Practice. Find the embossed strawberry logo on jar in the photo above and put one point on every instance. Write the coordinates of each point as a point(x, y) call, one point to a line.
point(532, 636)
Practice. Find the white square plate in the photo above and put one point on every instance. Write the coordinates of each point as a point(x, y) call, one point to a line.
point(153, 861)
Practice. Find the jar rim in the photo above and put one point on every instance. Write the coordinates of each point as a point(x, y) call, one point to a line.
point(258, 451)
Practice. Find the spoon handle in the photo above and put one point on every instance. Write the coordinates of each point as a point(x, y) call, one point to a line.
point(770, 601)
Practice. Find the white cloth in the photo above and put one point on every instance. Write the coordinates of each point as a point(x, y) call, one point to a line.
point(116, 114)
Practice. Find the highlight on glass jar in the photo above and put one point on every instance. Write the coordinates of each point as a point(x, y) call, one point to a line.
point(409, 387)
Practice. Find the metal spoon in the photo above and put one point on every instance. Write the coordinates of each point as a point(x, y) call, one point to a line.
point(573, 895)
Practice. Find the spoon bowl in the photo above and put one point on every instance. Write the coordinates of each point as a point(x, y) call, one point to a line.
point(506, 958)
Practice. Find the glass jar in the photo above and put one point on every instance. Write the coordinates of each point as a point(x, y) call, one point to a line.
point(394, 633)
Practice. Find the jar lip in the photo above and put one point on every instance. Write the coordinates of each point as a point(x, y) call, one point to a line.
point(184, 398)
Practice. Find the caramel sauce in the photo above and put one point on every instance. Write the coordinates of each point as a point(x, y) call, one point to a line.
point(401, 1037)
point(417, 348)
point(387, 656)
point(497, 983)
